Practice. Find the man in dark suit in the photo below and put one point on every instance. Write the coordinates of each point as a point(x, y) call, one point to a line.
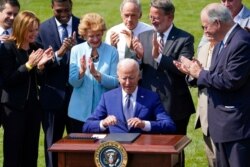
point(228, 85)
point(8, 11)
point(60, 33)
point(157, 50)
point(144, 113)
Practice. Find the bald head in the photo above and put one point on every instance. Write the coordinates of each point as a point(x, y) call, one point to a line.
point(128, 74)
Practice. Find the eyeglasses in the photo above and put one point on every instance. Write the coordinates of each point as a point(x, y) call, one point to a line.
point(154, 18)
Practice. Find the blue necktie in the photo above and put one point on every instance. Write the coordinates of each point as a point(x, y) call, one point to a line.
point(5, 32)
point(64, 32)
point(128, 107)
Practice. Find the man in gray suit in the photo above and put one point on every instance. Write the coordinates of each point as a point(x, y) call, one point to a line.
point(157, 49)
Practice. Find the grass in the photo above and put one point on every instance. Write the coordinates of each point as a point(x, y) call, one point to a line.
point(186, 17)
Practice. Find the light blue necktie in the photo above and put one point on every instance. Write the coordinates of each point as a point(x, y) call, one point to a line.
point(128, 107)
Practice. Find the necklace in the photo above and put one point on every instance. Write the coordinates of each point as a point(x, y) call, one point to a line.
point(95, 58)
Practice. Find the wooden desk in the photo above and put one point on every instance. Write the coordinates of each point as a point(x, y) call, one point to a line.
point(147, 150)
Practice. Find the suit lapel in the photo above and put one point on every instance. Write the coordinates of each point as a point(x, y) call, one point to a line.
point(217, 54)
point(139, 100)
point(54, 34)
point(170, 40)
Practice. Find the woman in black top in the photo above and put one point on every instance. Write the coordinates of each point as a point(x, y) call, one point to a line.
point(21, 62)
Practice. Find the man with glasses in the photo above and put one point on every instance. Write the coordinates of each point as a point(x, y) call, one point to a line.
point(61, 33)
point(157, 50)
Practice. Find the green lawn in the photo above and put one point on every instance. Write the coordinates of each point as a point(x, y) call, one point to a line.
point(186, 17)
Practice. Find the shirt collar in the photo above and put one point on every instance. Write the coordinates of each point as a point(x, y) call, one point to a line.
point(134, 94)
point(2, 30)
point(69, 23)
point(228, 33)
point(238, 17)
point(166, 33)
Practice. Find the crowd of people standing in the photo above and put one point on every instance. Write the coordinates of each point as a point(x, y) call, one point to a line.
point(61, 75)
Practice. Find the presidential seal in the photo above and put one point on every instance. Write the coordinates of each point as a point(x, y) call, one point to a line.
point(111, 154)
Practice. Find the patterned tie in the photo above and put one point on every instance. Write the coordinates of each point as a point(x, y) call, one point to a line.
point(128, 107)
point(161, 42)
point(64, 32)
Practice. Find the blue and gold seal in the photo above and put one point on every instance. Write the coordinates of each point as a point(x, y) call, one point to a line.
point(111, 154)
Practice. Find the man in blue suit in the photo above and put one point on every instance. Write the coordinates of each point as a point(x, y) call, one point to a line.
point(144, 113)
point(59, 32)
point(228, 85)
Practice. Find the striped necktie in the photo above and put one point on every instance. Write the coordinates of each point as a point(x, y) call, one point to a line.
point(128, 112)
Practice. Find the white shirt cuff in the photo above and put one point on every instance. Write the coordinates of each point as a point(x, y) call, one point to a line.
point(158, 59)
point(147, 126)
point(57, 57)
point(101, 126)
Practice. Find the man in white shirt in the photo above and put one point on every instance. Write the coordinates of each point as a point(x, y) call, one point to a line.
point(121, 35)
point(8, 11)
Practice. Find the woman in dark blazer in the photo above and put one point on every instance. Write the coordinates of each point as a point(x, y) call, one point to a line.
point(21, 62)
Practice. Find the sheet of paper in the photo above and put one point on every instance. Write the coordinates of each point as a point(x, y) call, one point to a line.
point(99, 136)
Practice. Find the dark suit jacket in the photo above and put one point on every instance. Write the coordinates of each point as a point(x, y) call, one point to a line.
point(19, 84)
point(53, 91)
point(228, 83)
point(165, 78)
point(148, 107)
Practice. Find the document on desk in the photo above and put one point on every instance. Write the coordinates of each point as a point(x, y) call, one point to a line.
point(99, 136)
point(121, 137)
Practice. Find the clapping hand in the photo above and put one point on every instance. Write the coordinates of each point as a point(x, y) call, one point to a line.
point(156, 47)
point(4, 37)
point(128, 37)
point(83, 66)
point(190, 67)
point(35, 57)
point(67, 44)
point(47, 55)
point(114, 39)
point(138, 48)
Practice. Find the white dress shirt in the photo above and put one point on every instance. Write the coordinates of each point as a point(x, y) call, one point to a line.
point(60, 31)
point(141, 27)
point(133, 101)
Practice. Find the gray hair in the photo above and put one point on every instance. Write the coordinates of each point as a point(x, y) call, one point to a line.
point(166, 5)
point(128, 63)
point(217, 11)
point(136, 2)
